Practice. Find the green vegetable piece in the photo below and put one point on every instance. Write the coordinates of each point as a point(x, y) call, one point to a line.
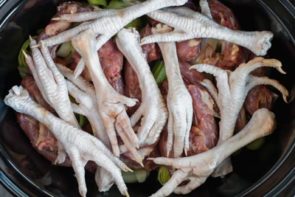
point(98, 2)
point(141, 175)
point(159, 72)
point(137, 176)
point(256, 144)
point(163, 175)
point(117, 4)
point(129, 177)
point(137, 23)
point(23, 68)
point(65, 50)
point(82, 120)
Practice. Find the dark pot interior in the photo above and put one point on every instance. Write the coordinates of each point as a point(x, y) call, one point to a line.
point(256, 172)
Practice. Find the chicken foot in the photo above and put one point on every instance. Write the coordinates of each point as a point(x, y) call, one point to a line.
point(152, 108)
point(198, 168)
point(112, 22)
point(233, 88)
point(110, 103)
point(179, 100)
point(188, 24)
point(84, 94)
point(52, 86)
point(80, 146)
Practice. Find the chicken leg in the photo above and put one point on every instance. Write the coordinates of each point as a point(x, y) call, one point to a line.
point(152, 108)
point(188, 24)
point(79, 145)
point(179, 100)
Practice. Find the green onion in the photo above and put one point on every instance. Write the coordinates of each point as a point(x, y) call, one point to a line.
point(163, 175)
point(23, 68)
point(98, 2)
point(256, 144)
point(65, 50)
point(159, 72)
point(137, 176)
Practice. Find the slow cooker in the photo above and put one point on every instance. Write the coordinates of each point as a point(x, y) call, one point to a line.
point(268, 171)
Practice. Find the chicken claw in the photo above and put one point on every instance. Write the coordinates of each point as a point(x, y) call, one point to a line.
point(112, 22)
point(197, 25)
point(179, 100)
point(80, 146)
point(50, 82)
point(153, 108)
point(110, 103)
point(198, 168)
point(233, 88)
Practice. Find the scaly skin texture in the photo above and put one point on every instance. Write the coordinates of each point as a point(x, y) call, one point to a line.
point(52, 86)
point(189, 24)
point(152, 111)
point(179, 100)
point(233, 87)
point(83, 93)
point(110, 103)
point(80, 146)
point(196, 169)
point(50, 82)
point(109, 25)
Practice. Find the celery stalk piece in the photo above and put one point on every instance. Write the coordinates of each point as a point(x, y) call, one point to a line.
point(163, 175)
point(159, 72)
point(22, 65)
point(98, 2)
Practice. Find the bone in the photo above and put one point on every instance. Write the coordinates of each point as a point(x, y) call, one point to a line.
point(111, 104)
point(152, 108)
point(179, 100)
point(79, 145)
point(199, 26)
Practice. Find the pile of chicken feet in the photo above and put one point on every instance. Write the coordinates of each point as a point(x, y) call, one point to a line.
point(105, 108)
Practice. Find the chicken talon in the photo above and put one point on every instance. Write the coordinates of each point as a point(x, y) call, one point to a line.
point(256, 81)
point(78, 167)
point(179, 100)
point(109, 102)
point(199, 26)
point(80, 146)
point(202, 165)
point(103, 179)
point(152, 109)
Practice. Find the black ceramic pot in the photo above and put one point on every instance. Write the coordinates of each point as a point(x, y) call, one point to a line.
point(268, 171)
